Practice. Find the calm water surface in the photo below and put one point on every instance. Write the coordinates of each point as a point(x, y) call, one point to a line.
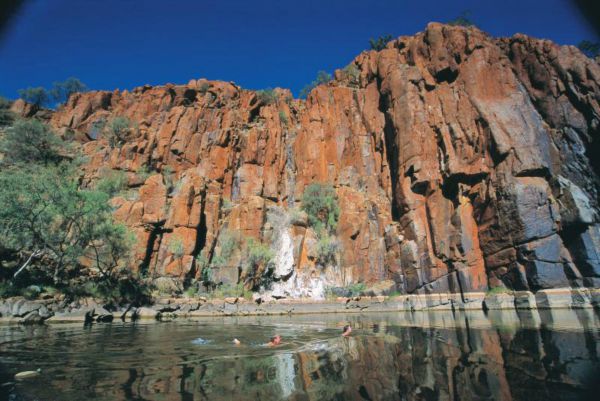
point(395, 356)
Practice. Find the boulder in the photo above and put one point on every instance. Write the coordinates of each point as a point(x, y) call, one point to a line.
point(105, 318)
point(525, 300)
point(23, 307)
point(385, 287)
point(44, 312)
point(166, 285)
point(146, 313)
point(554, 298)
point(28, 374)
point(32, 318)
point(503, 300)
point(83, 315)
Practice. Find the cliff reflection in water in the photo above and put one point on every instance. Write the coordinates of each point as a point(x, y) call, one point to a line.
point(436, 356)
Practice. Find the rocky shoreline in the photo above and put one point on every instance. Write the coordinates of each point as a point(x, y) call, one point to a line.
point(19, 310)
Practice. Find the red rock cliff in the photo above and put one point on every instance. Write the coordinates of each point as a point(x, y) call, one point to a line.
point(460, 161)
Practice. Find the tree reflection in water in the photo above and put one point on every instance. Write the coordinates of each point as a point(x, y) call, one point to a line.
point(434, 356)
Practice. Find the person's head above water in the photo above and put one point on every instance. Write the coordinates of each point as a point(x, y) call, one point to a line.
point(346, 330)
point(275, 340)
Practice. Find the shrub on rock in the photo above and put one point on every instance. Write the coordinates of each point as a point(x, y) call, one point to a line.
point(321, 205)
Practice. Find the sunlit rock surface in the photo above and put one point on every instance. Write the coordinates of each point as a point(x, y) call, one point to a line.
point(461, 162)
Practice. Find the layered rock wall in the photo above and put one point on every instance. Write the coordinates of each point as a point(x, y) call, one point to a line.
point(461, 162)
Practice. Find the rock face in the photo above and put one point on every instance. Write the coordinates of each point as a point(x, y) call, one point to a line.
point(461, 162)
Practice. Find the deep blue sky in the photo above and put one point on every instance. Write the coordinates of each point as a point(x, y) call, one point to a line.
point(266, 43)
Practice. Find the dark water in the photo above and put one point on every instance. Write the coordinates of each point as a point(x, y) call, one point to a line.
point(395, 356)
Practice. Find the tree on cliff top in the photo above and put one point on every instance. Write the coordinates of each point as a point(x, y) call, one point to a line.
point(590, 49)
point(266, 96)
point(380, 42)
point(61, 91)
point(37, 96)
point(323, 77)
point(462, 20)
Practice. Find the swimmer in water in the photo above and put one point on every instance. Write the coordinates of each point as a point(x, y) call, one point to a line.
point(346, 331)
point(275, 340)
point(236, 342)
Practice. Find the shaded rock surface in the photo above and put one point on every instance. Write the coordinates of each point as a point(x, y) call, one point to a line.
point(461, 162)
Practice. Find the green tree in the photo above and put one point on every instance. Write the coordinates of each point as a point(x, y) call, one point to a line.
point(61, 91)
point(30, 141)
point(321, 206)
point(45, 216)
point(37, 96)
point(53, 231)
point(323, 77)
point(590, 49)
point(6, 116)
point(380, 42)
point(462, 20)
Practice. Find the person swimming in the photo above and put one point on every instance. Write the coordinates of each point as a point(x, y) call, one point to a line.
point(346, 330)
point(275, 340)
point(236, 341)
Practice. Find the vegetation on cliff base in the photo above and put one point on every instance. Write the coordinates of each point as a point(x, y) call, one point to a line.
point(260, 266)
point(53, 232)
point(327, 250)
point(351, 290)
point(322, 209)
point(321, 206)
point(256, 261)
point(228, 242)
